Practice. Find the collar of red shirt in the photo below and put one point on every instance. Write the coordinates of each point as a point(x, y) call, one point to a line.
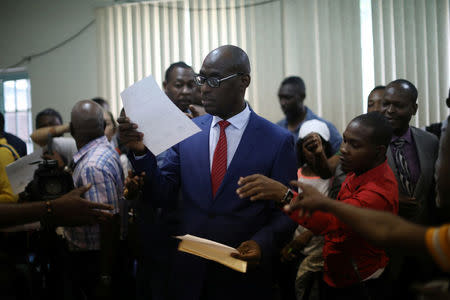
point(354, 181)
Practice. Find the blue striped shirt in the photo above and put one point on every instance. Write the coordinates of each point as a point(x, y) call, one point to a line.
point(99, 164)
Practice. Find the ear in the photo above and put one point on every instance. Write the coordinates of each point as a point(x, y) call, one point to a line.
point(414, 108)
point(381, 151)
point(165, 85)
point(71, 129)
point(448, 102)
point(245, 80)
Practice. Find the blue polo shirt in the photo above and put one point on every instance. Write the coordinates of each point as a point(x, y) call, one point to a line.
point(335, 136)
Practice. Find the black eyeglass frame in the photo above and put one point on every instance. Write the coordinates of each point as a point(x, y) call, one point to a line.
point(216, 81)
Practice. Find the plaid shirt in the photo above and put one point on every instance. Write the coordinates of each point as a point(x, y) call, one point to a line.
point(97, 163)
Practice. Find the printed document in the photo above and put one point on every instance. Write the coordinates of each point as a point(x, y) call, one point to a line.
point(162, 123)
point(21, 172)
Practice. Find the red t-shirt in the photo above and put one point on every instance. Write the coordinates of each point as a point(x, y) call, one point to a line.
point(344, 248)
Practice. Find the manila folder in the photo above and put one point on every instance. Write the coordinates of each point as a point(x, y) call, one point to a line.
point(211, 250)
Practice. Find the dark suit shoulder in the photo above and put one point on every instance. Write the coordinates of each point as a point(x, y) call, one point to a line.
point(273, 129)
point(424, 136)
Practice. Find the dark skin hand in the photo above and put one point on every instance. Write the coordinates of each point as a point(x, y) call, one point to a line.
point(130, 137)
point(293, 248)
point(309, 200)
point(72, 210)
point(313, 147)
point(55, 156)
point(196, 111)
point(133, 184)
point(260, 187)
point(250, 252)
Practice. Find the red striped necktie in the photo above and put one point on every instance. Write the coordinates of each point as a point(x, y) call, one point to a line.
point(219, 165)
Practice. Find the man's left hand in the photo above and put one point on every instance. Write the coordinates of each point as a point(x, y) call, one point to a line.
point(250, 252)
point(260, 187)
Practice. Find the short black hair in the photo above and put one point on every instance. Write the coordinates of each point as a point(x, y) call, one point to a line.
point(48, 112)
point(378, 87)
point(381, 128)
point(297, 81)
point(408, 89)
point(100, 101)
point(180, 64)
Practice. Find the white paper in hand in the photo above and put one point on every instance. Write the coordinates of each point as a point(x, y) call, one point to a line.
point(21, 172)
point(162, 123)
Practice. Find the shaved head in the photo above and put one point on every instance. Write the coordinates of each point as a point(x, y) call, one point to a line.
point(86, 122)
point(229, 58)
point(227, 99)
point(404, 88)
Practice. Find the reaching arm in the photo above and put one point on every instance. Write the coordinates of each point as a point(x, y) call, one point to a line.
point(68, 210)
point(381, 228)
point(40, 136)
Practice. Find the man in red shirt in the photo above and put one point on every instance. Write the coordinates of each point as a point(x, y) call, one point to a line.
point(352, 265)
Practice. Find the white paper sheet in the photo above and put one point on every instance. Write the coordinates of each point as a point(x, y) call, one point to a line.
point(20, 172)
point(162, 123)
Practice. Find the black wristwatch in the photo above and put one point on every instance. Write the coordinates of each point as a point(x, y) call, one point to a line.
point(287, 197)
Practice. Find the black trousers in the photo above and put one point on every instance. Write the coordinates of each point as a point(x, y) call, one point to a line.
point(372, 289)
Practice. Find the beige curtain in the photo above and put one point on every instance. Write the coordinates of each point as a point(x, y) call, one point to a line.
point(317, 40)
point(411, 41)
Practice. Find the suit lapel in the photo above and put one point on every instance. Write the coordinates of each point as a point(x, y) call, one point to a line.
point(421, 153)
point(202, 151)
point(243, 151)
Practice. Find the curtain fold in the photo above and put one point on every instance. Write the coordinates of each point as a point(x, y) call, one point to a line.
point(316, 40)
point(411, 41)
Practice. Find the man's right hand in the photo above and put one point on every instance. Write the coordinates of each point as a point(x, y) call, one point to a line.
point(130, 137)
point(72, 210)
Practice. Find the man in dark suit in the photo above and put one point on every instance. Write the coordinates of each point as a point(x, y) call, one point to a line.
point(412, 155)
point(234, 142)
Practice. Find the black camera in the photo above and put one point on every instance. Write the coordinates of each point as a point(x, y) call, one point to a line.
point(49, 182)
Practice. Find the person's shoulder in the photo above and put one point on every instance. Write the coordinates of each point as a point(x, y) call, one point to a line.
point(269, 127)
point(282, 122)
point(424, 136)
point(14, 138)
point(202, 119)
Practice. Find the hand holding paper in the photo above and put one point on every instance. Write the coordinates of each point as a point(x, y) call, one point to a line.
point(153, 114)
point(211, 250)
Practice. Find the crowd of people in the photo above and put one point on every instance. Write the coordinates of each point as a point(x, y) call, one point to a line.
point(315, 214)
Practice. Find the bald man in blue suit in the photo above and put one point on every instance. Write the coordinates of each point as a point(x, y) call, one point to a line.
point(234, 142)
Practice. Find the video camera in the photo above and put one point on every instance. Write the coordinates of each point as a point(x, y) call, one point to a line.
point(49, 181)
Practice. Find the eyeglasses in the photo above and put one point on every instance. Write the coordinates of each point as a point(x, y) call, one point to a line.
point(213, 82)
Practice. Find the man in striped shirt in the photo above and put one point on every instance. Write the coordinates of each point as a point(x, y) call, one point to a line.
point(96, 162)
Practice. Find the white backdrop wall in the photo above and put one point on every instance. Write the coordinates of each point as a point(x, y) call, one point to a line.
point(317, 40)
point(411, 41)
point(64, 76)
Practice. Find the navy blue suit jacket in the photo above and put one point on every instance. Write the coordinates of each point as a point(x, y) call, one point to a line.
point(265, 148)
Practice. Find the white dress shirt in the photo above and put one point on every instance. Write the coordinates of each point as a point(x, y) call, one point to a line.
point(234, 132)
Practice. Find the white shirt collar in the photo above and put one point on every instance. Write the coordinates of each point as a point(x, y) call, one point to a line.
point(238, 121)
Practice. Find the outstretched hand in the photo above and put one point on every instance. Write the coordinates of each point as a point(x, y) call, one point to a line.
point(130, 137)
point(260, 187)
point(308, 201)
point(72, 210)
